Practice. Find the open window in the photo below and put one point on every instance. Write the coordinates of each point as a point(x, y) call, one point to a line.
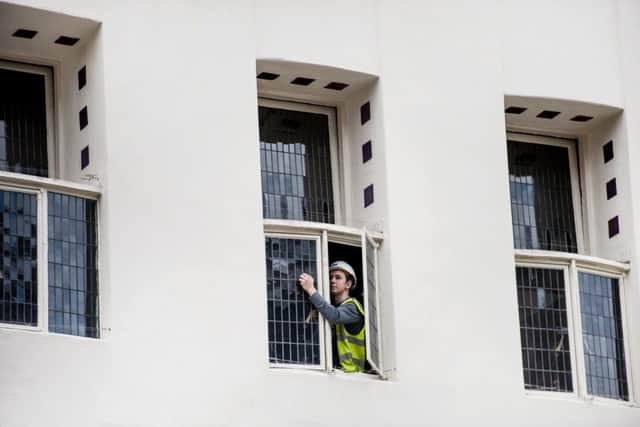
point(297, 336)
point(303, 198)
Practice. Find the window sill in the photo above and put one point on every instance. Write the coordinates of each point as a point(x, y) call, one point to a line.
point(7, 328)
point(574, 398)
point(334, 373)
point(38, 182)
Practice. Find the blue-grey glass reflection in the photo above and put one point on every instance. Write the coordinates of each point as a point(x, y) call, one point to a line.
point(602, 336)
point(294, 334)
point(73, 273)
point(544, 333)
point(19, 270)
point(23, 125)
point(295, 164)
point(541, 198)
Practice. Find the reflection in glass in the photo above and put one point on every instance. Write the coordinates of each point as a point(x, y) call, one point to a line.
point(544, 336)
point(602, 336)
point(295, 165)
point(23, 125)
point(73, 273)
point(541, 199)
point(294, 335)
point(19, 270)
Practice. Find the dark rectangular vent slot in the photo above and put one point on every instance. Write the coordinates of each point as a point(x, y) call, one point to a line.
point(612, 188)
point(367, 153)
point(336, 86)
point(82, 77)
point(548, 114)
point(607, 151)
point(368, 195)
point(614, 226)
point(66, 40)
point(365, 113)
point(515, 110)
point(580, 118)
point(302, 81)
point(25, 34)
point(268, 76)
point(84, 118)
point(84, 157)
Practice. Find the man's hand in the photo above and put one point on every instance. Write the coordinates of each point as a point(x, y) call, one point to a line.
point(306, 282)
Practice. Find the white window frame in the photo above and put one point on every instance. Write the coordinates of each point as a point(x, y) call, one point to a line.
point(47, 73)
point(334, 147)
point(576, 199)
point(40, 186)
point(328, 233)
point(571, 264)
point(336, 233)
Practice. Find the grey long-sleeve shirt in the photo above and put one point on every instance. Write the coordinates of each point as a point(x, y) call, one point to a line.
point(345, 314)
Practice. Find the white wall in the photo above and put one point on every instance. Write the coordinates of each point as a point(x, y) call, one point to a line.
point(182, 255)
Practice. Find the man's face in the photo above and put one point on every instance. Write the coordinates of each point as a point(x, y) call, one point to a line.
point(339, 282)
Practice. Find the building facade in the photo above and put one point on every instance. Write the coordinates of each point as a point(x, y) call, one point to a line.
point(168, 169)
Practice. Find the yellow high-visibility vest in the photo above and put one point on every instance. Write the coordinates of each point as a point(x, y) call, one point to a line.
point(351, 348)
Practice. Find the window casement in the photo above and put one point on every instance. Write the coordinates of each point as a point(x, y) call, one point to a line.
point(571, 306)
point(545, 193)
point(302, 199)
point(27, 119)
point(572, 326)
point(299, 162)
point(48, 228)
point(297, 335)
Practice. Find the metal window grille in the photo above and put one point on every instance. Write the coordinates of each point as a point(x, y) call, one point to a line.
point(73, 273)
point(541, 198)
point(602, 336)
point(294, 333)
point(544, 334)
point(23, 124)
point(19, 278)
point(295, 165)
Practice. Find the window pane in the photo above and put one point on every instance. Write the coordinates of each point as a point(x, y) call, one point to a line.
point(541, 202)
point(544, 335)
point(73, 273)
point(23, 125)
point(294, 333)
point(295, 165)
point(602, 336)
point(19, 271)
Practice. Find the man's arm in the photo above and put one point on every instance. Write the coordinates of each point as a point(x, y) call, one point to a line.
point(341, 315)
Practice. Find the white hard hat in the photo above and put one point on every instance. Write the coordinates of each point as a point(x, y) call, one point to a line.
point(341, 265)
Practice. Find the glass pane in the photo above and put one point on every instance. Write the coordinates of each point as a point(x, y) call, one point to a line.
point(23, 124)
point(541, 202)
point(73, 273)
point(294, 330)
point(19, 271)
point(602, 336)
point(295, 165)
point(544, 334)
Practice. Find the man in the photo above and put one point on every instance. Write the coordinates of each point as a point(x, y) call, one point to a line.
point(346, 314)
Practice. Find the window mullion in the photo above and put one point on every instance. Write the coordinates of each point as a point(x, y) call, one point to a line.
point(323, 276)
point(579, 374)
point(43, 261)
